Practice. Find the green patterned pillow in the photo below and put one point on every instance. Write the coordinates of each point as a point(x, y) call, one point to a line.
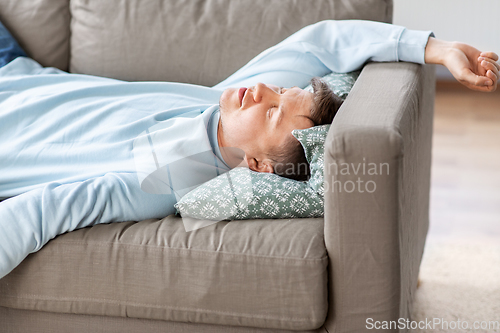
point(313, 142)
point(340, 83)
point(245, 194)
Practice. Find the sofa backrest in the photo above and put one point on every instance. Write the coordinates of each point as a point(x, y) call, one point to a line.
point(192, 41)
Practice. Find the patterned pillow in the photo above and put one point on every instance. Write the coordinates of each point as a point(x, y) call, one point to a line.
point(313, 142)
point(245, 194)
point(340, 83)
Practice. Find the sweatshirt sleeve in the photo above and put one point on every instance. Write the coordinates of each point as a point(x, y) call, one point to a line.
point(330, 46)
point(28, 221)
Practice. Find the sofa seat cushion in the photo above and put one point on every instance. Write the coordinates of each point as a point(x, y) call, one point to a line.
point(258, 273)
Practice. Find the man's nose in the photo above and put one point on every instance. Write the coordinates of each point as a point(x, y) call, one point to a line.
point(262, 91)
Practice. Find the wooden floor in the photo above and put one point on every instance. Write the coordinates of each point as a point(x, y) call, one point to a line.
point(465, 184)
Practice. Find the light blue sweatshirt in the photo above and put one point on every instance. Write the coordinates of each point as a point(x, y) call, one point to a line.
point(77, 150)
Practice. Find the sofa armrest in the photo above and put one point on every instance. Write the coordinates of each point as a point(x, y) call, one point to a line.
point(377, 182)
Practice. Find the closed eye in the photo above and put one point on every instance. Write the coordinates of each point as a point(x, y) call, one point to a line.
point(269, 112)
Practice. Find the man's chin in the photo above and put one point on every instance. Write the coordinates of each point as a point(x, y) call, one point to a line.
point(227, 96)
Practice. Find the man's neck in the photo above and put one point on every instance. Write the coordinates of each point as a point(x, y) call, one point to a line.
point(220, 140)
point(234, 157)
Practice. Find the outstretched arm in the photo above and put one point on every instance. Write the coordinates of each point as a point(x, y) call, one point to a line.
point(330, 46)
point(474, 69)
point(28, 221)
point(344, 46)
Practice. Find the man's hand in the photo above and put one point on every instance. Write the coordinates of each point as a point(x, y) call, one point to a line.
point(474, 69)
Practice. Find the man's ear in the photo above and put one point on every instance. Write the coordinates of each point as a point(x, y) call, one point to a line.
point(264, 165)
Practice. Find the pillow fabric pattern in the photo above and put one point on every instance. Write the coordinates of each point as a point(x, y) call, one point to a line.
point(340, 83)
point(313, 142)
point(245, 194)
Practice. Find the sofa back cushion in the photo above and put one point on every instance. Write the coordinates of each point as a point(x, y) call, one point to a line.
point(42, 28)
point(200, 42)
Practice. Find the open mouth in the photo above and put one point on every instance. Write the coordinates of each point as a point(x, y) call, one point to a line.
point(241, 94)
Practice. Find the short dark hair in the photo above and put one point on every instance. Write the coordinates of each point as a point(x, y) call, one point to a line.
point(290, 160)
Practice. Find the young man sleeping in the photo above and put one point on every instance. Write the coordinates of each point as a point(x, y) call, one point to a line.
point(79, 150)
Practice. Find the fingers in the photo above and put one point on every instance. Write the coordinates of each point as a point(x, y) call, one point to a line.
point(491, 55)
point(492, 76)
point(489, 88)
point(470, 78)
point(483, 88)
point(489, 60)
point(487, 83)
point(492, 70)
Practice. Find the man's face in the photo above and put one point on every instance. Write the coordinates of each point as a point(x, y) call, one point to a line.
point(259, 119)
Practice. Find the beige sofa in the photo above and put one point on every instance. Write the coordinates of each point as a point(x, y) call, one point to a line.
point(292, 275)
